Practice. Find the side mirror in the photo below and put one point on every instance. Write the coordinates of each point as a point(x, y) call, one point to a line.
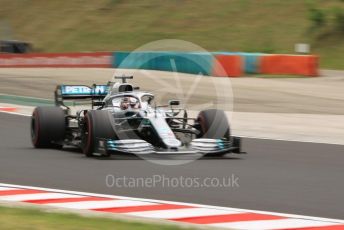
point(174, 102)
point(98, 103)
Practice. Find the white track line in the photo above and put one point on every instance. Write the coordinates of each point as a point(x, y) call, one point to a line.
point(101, 204)
point(5, 188)
point(334, 221)
point(182, 213)
point(289, 140)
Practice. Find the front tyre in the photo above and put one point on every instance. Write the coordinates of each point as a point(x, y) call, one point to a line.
point(48, 126)
point(98, 125)
point(213, 124)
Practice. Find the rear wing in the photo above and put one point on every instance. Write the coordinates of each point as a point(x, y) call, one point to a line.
point(79, 92)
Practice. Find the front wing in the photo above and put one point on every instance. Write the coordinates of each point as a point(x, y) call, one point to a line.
point(200, 146)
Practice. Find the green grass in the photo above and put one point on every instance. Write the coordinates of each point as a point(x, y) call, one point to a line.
point(28, 218)
point(272, 26)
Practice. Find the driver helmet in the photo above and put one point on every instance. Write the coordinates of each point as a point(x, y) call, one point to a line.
point(125, 103)
point(134, 103)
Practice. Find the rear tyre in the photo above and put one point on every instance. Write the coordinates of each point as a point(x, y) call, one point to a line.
point(97, 125)
point(48, 126)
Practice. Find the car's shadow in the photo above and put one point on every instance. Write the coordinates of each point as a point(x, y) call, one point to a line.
point(168, 157)
point(162, 158)
point(76, 151)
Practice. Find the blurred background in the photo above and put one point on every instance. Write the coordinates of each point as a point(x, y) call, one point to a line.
point(269, 26)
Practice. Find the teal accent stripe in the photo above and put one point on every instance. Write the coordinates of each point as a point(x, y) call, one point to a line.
point(183, 62)
point(28, 101)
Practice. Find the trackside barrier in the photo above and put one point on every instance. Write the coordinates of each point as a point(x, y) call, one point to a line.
point(193, 63)
point(306, 65)
point(224, 64)
point(228, 66)
point(92, 59)
point(251, 61)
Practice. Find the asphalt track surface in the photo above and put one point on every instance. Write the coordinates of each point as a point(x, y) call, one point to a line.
point(280, 176)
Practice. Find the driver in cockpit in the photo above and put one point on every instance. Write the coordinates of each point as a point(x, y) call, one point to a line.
point(129, 102)
point(124, 103)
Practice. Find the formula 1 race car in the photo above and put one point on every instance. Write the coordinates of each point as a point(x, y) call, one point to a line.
point(122, 119)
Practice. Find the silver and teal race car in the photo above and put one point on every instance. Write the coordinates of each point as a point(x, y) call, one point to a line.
point(122, 119)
